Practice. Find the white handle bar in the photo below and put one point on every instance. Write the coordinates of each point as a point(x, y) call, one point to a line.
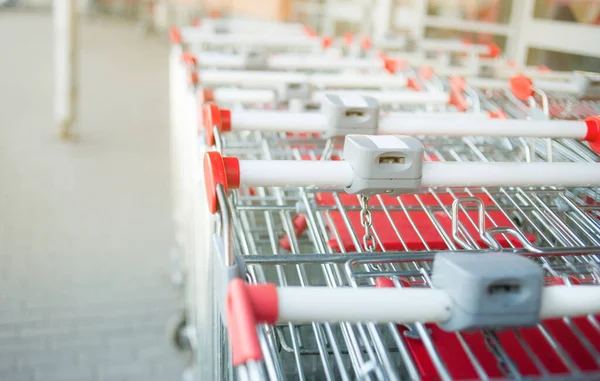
point(417, 125)
point(545, 85)
point(406, 97)
point(339, 174)
point(264, 78)
point(410, 305)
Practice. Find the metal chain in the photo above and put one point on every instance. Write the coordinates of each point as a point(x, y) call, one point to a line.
point(505, 364)
point(366, 220)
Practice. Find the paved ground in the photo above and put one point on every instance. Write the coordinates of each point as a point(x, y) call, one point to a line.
point(84, 226)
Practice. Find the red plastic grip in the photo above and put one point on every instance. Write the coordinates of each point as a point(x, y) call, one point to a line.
point(247, 306)
point(500, 114)
point(521, 86)
point(219, 170)
point(213, 116)
point(593, 132)
point(174, 35)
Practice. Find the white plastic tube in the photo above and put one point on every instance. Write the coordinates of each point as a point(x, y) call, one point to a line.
point(424, 125)
point(225, 95)
point(314, 62)
point(269, 78)
point(279, 173)
point(268, 40)
point(382, 305)
point(274, 120)
point(239, 77)
point(399, 97)
point(558, 301)
point(220, 60)
point(457, 46)
point(357, 80)
point(415, 125)
point(303, 305)
point(545, 85)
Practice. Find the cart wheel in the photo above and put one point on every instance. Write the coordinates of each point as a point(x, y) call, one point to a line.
point(176, 332)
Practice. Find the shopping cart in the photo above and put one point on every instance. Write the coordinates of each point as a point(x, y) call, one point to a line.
point(352, 296)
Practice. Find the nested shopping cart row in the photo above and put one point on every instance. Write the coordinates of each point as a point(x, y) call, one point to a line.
point(468, 253)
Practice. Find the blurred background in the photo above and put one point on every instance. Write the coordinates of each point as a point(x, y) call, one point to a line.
point(86, 290)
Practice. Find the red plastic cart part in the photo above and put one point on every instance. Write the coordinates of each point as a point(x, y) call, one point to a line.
point(326, 42)
point(247, 306)
point(174, 35)
point(413, 224)
point(219, 170)
point(196, 22)
point(213, 116)
point(414, 84)
point(348, 38)
point(494, 51)
point(499, 114)
point(205, 96)
point(366, 43)
point(309, 31)
point(214, 14)
point(521, 86)
point(389, 64)
point(426, 72)
point(194, 78)
point(457, 99)
point(593, 133)
point(299, 223)
point(189, 59)
point(459, 366)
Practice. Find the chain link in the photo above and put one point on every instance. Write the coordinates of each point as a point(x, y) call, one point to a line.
point(366, 220)
point(505, 364)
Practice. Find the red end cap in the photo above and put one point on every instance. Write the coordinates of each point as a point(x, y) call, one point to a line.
point(310, 32)
point(401, 65)
point(265, 302)
point(241, 324)
point(213, 116)
point(426, 72)
point(326, 41)
point(194, 78)
point(494, 51)
point(174, 35)
point(214, 173)
point(366, 43)
point(214, 14)
point(189, 59)
point(593, 132)
point(205, 96)
point(521, 87)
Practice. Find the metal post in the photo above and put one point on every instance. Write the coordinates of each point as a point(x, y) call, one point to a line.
point(65, 65)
